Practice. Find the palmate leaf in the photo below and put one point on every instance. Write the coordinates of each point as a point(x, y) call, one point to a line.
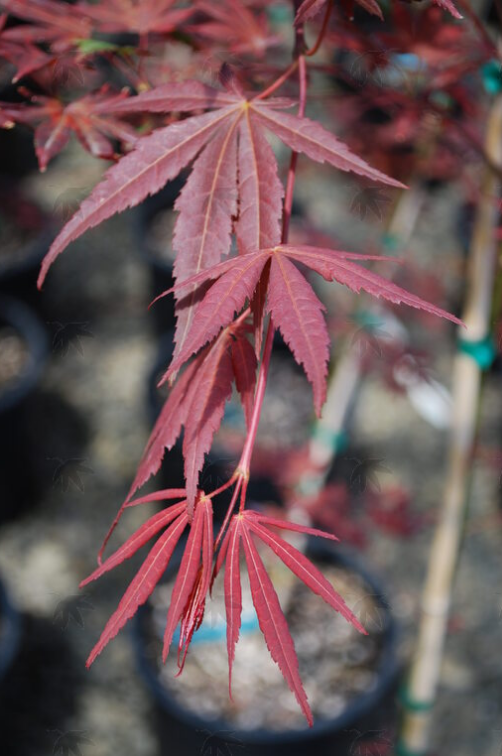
point(140, 537)
point(160, 156)
point(296, 310)
point(193, 579)
point(194, 572)
point(184, 601)
point(273, 623)
point(271, 619)
point(135, 16)
point(311, 8)
point(49, 21)
point(231, 24)
point(156, 159)
point(144, 581)
point(88, 118)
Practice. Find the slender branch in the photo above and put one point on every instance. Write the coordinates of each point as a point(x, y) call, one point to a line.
point(312, 50)
point(290, 184)
point(278, 82)
point(259, 395)
point(228, 514)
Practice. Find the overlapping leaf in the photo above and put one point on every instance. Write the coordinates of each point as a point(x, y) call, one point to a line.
point(273, 625)
point(296, 310)
point(309, 9)
point(232, 25)
point(149, 573)
point(50, 21)
point(197, 402)
point(135, 16)
point(192, 581)
point(88, 118)
point(160, 156)
point(244, 365)
point(206, 205)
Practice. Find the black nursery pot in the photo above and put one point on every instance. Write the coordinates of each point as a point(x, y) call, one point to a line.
point(183, 733)
point(19, 270)
point(18, 486)
point(10, 633)
point(160, 265)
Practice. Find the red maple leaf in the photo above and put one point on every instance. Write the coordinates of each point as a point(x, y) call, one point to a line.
point(236, 168)
point(243, 529)
point(51, 21)
point(141, 17)
point(235, 26)
point(88, 117)
point(294, 306)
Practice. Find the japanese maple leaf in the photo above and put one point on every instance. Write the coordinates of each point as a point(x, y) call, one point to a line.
point(236, 169)
point(26, 57)
point(50, 21)
point(197, 403)
point(141, 17)
point(240, 537)
point(173, 522)
point(87, 117)
point(194, 573)
point(232, 24)
point(291, 301)
point(429, 36)
point(311, 8)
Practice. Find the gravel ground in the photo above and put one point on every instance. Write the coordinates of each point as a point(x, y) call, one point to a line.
point(93, 431)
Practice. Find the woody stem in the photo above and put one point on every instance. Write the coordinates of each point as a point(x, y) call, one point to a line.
point(267, 351)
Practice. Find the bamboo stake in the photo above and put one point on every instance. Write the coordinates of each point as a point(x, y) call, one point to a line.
point(419, 697)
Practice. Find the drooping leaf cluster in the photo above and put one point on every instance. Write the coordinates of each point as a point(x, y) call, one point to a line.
point(225, 293)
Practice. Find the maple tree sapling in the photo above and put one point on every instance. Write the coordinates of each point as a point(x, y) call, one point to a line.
point(227, 309)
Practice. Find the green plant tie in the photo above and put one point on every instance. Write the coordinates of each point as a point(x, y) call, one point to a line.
point(411, 704)
point(336, 441)
point(492, 77)
point(402, 750)
point(391, 242)
point(280, 14)
point(483, 351)
point(368, 319)
point(414, 706)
